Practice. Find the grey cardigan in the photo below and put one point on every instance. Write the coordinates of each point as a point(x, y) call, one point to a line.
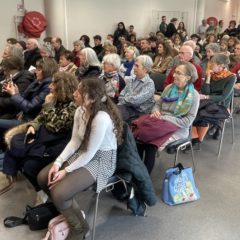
point(167, 109)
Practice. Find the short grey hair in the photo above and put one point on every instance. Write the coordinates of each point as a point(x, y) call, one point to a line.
point(190, 43)
point(14, 50)
point(221, 58)
point(191, 71)
point(134, 50)
point(146, 61)
point(214, 47)
point(112, 59)
point(80, 43)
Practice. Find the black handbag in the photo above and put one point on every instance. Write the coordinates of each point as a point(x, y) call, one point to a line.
point(36, 218)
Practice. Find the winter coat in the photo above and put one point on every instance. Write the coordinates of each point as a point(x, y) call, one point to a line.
point(8, 110)
point(31, 57)
point(129, 164)
point(30, 102)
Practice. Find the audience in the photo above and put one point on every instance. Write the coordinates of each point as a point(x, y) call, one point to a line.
point(42, 139)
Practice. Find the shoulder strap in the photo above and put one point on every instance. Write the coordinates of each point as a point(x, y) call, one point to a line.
point(12, 221)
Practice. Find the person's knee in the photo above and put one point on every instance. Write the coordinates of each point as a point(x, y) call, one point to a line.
point(58, 197)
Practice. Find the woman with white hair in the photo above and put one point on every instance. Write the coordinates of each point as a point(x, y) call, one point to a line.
point(78, 45)
point(89, 64)
point(137, 97)
point(113, 81)
point(126, 69)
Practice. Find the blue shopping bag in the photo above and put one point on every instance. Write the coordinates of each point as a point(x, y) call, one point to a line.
point(179, 186)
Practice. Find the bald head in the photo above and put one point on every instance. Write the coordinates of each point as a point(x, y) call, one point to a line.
point(32, 43)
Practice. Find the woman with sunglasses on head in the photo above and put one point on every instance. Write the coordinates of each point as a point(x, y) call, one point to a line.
point(89, 157)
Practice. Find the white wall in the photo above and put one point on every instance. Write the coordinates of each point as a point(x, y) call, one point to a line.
point(222, 9)
point(101, 17)
point(7, 12)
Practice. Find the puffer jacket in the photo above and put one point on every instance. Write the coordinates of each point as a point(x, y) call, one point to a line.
point(7, 108)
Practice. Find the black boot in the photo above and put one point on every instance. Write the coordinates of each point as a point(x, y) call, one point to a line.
point(217, 134)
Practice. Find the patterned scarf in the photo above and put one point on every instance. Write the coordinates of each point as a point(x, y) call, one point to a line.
point(184, 99)
point(221, 75)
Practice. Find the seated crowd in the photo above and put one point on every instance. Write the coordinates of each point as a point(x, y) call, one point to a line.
point(62, 112)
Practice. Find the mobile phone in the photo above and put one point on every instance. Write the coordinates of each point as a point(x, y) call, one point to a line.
point(29, 137)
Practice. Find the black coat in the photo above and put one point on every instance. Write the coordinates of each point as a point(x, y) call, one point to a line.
point(130, 164)
point(8, 110)
point(31, 57)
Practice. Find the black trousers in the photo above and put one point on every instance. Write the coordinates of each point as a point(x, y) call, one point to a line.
point(147, 152)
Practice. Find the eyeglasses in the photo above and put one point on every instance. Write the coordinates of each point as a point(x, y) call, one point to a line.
point(183, 52)
point(179, 73)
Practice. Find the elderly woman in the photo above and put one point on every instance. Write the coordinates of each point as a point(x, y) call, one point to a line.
point(66, 63)
point(89, 64)
point(78, 46)
point(211, 49)
point(113, 81)
point(126, 69)
point(137, 97)
point(218, 87)
point(42, 139)
point(178, 105)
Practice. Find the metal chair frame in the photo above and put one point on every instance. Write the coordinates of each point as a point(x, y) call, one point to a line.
point(182, 146)
point(230, 118)
point(110, 186)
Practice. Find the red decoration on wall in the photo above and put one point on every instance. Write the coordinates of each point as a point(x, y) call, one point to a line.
point(212, 19)
point(33, 24)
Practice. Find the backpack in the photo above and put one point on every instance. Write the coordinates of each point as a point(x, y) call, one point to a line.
point(58, 229)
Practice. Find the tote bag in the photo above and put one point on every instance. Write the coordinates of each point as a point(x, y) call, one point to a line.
point(179, 186)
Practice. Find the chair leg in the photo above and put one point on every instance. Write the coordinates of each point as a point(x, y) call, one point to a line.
point(193, 162)
point(221, 139)
point(176, 157)
point(233, 130)
point(95, 217)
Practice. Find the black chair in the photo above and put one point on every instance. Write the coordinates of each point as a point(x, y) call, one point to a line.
point(181, 145)
point(115, 179)
point(158, 79)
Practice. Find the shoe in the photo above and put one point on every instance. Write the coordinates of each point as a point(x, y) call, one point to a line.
point(196, 144)
point(7, 184)
point(217, 134)
point(212, 130)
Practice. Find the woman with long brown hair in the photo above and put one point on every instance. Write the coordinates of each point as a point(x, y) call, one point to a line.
point(89, 157)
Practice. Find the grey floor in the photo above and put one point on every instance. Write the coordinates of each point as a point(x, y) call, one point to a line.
point(215, 216)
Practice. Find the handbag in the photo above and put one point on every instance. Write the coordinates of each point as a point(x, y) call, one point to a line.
point(179, 186)
point(58, 229)
point(36, 218)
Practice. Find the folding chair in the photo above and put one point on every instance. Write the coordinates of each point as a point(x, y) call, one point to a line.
point(181, 144)
point(110, 186)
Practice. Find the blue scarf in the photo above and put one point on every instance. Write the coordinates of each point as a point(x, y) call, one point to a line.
point(184, 99)
point(128, 65)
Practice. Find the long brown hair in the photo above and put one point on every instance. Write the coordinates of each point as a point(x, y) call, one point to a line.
point(96, 90)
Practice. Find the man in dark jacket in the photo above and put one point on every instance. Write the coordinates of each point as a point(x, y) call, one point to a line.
point(32, 53)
